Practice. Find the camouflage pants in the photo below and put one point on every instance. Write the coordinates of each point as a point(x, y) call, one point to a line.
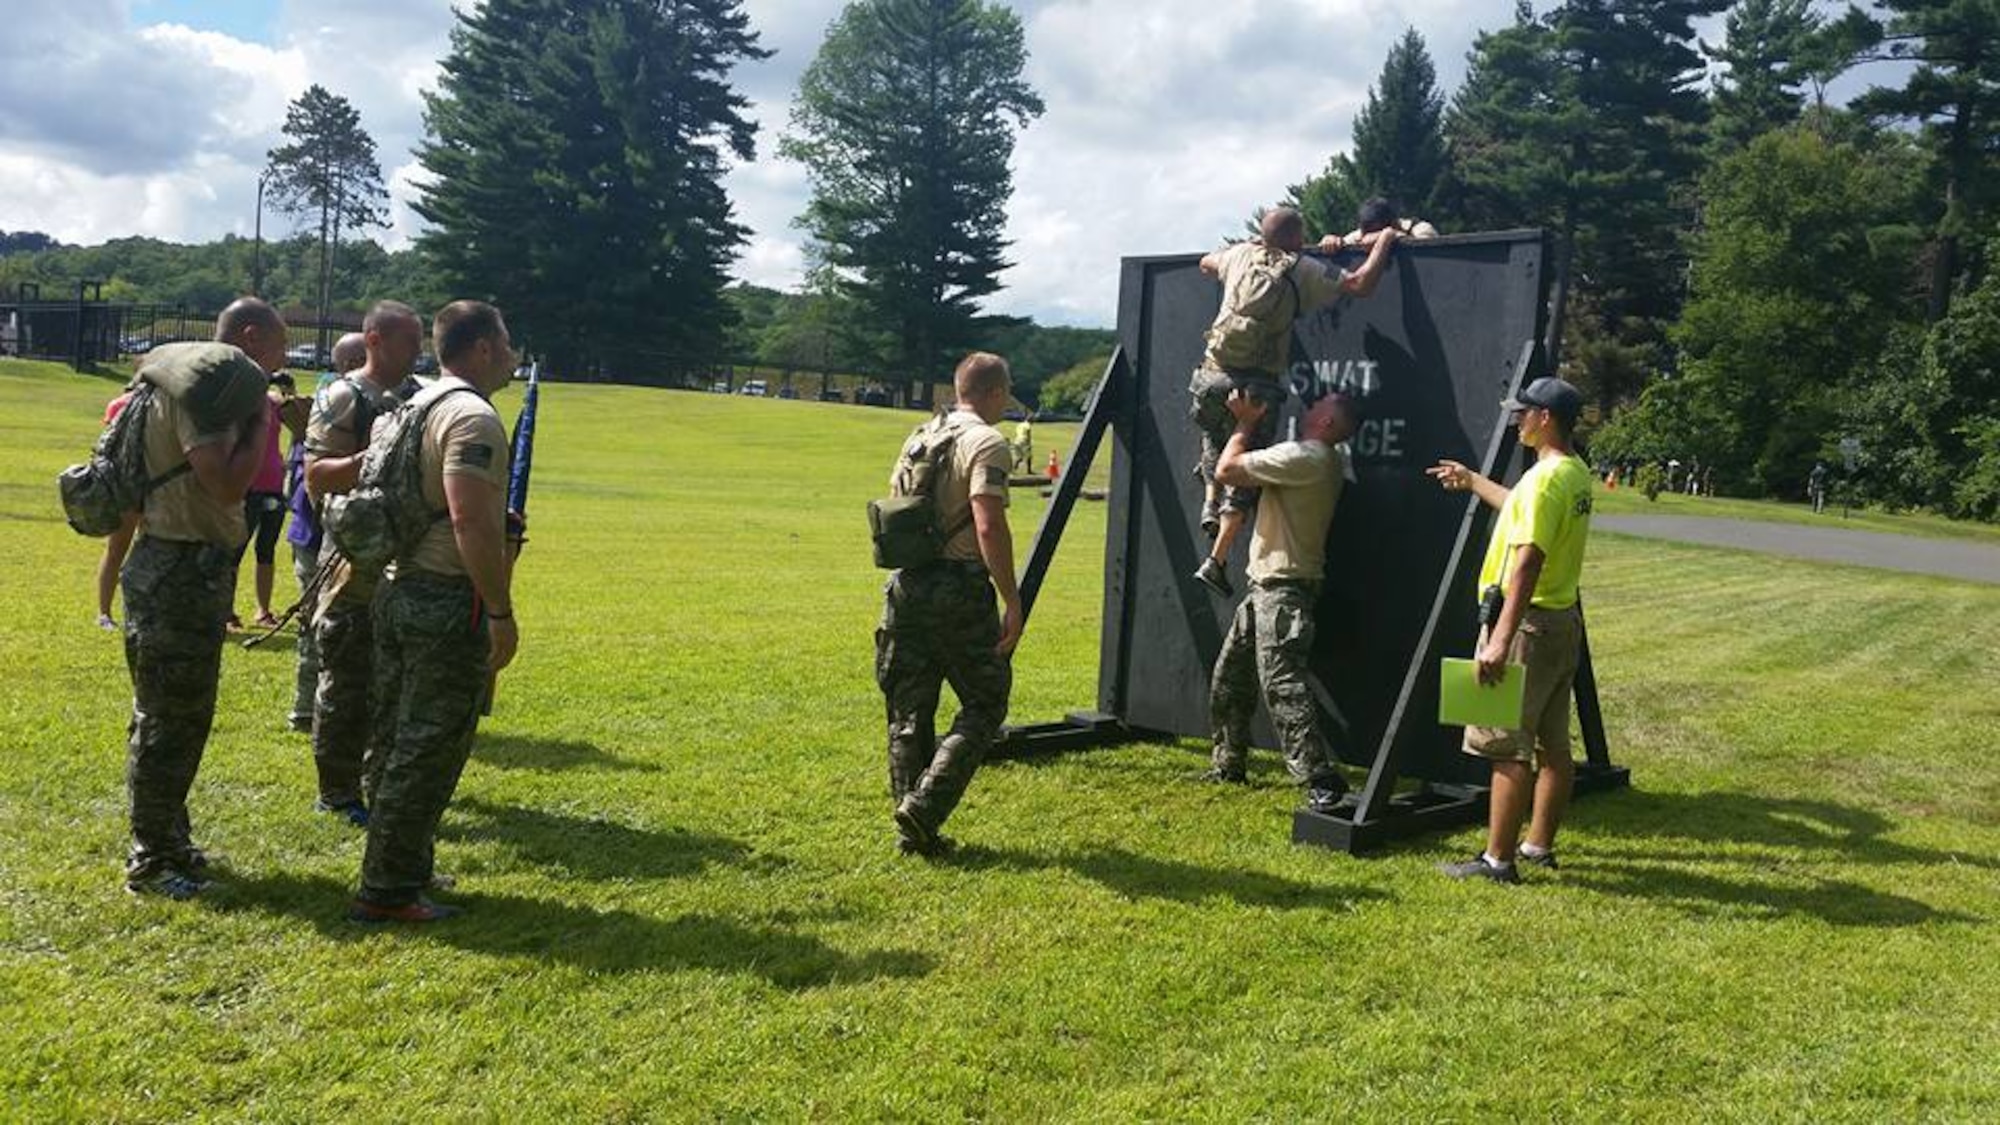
point(1269, 643)
point(431, 650)
point(342, 750)
point(1208, 407)
point(939, 624)
point(176, 595)
point(305, 685)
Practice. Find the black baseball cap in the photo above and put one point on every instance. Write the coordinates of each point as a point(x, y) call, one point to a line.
point(1555, 395)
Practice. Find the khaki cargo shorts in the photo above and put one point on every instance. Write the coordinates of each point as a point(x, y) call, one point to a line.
point(1548, 642)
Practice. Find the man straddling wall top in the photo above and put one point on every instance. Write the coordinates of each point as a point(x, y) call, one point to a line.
point(177, 584)
point(343, 629)
point(349, 353)
point(444, 617)
point(938, 620)
point(1535, 558)
point(1270, 639)
point(1267, 284)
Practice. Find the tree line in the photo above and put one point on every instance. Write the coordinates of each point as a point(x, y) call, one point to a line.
point(1745, 274)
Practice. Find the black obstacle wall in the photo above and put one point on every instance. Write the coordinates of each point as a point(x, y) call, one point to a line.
point(1430, 356)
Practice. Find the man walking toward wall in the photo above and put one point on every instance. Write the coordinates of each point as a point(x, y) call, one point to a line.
point(938, 620)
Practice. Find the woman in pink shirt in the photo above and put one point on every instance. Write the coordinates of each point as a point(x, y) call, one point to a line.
point(264, 513)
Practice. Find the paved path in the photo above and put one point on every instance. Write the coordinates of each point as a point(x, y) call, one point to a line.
point(1947, 558)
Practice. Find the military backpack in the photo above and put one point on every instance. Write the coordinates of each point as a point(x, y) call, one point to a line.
point(1241, 336)
point(385, 515)
point(904, 525)
point(216, 383)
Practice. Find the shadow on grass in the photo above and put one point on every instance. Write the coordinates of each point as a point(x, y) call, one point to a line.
point(1137, 876)
point(599, 849)
point(611, 941)
point(515, 752)
point(1760, 884)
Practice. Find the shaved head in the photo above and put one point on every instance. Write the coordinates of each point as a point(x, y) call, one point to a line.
point(1282, 228)
point(247, 312)
point(386, 313)
point(349, 352)
point(979, 375)
point(256, 327)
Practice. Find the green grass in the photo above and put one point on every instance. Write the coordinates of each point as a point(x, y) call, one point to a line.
point(684, 903)
point(1632, 502)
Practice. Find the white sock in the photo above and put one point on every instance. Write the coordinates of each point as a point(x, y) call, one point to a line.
point(1494, 863)
point(1534, 850)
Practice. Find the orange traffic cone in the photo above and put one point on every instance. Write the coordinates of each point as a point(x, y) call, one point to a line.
point(1055, 465)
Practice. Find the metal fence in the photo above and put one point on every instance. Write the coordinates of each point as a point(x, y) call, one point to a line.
point(86, 333)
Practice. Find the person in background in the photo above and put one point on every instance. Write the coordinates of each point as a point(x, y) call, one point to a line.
point(264, 512)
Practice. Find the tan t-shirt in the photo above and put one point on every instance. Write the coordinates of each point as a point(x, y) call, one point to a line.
point(463, 436)
point(979, 466)
point(1318, 285)
point(1302, 484)
point(182, 509)
point(331, 429)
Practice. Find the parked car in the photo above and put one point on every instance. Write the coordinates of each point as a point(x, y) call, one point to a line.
point(832, 394)
point(426, 364)
point(755, 387)
point(303, 355)
point(873, 395)
point(788, 391)
point(720, 387)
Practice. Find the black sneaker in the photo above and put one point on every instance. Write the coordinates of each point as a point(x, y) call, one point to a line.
point(354, 812)
point(1546, 859)
point(1211, 574)
point(1478, 868)
point(168, 883)
point(1220, 776)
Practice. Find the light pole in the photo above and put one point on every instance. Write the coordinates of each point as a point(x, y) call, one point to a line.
point(257, 251)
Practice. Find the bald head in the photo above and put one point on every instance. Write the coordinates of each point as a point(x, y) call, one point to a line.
point(349, 352)
point(1282, 228)
point(253, 325)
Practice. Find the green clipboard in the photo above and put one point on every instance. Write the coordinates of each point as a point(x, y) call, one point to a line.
point(1465, 702)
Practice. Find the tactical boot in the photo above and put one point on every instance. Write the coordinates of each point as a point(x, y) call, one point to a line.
point(1212, 575)
point(916, 836)
point(1221, 776)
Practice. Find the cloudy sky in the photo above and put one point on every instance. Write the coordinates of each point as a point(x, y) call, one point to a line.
point(1168, 120)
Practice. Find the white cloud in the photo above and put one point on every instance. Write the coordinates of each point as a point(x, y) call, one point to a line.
point(1167, 123)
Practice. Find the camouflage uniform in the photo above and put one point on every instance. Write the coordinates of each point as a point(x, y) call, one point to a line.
point(939, 622)
point(1270, 641)
point(176, 596)
point(1208, 399)
point(431, 648)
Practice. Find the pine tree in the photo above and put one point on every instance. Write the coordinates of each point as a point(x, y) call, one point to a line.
point(1398, 150)
point(577, 151)
point(328, 167)
point(1587, 121)
point(1765, 45)
point(1955, 93)
point(905, 121)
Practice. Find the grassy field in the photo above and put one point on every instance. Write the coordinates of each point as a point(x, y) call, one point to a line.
point(684, 902)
